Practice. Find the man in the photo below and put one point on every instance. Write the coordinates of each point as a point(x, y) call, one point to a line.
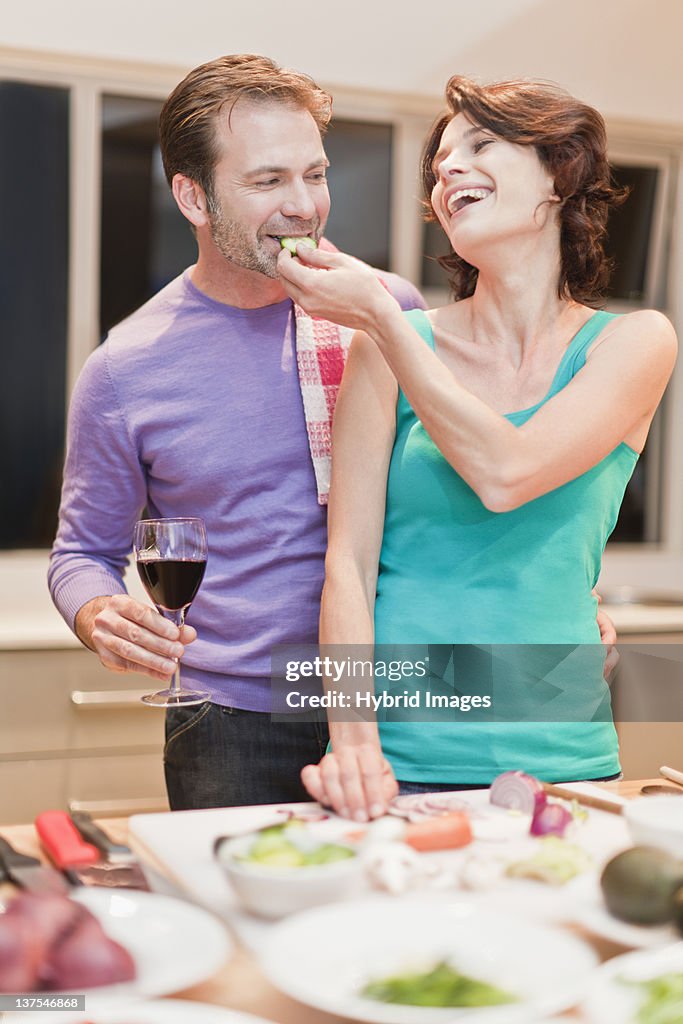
point(214, 400)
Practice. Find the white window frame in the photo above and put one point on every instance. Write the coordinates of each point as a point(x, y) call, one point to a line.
point(27, 617)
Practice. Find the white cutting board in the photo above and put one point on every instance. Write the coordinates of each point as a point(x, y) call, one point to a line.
point(182, 842)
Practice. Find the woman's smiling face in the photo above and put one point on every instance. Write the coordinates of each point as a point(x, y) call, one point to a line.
point(488, 189)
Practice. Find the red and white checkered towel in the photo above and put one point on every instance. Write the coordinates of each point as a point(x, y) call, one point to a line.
point(321, 351)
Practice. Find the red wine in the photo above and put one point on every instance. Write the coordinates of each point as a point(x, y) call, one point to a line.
point(171, 584)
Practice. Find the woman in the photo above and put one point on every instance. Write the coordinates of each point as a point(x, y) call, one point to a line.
point(482, 450)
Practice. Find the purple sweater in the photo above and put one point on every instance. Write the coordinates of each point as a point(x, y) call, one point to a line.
point(193, 407)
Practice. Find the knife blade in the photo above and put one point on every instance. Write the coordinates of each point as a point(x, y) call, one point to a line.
point(116, 855)
point(30, 873)
point(80, 861)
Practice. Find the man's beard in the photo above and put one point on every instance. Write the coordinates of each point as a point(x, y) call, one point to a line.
point(236, 246)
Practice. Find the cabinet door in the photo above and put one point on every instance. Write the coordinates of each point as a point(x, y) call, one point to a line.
point(66, 701)
point(29, 787)
point(116, 785)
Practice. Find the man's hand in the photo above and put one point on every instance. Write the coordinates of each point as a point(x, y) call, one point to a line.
point(128, 636)
point(608, 636)
point(356, 782)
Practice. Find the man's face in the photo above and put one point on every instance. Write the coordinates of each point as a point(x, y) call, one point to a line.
point(269, 183)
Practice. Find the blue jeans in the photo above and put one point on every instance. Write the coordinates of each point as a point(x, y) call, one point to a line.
point(217, 756)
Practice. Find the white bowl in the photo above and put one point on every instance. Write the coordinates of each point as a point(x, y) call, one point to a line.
point(276, 891)
point(657, 821)
point(325, 956)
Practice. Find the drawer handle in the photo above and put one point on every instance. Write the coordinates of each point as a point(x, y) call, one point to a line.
point(107, 698)
point(119, 808)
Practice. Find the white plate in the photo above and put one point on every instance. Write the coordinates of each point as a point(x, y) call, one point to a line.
point(610, 1001)
point(159, 1011)
point(323, 957)
point(591, 913)
point(174, 945)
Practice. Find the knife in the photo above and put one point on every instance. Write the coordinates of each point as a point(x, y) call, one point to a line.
point(80, 861)
point(30, 873)
point(116, 855)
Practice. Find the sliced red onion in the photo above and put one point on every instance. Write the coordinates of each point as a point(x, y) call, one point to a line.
point(551, 819)
point(518, 791)
point(419, 806)
point(407, 805)
point(444, 803)
point(305, 814)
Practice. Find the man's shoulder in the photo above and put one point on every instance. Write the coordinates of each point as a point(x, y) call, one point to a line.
point(405, 293)
point(153, 319)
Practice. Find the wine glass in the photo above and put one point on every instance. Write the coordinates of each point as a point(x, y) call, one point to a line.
point(171, 558)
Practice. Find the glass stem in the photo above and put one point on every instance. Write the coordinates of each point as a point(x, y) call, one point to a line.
point(179, 619)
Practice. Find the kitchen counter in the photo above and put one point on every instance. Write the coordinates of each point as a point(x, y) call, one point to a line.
point(645, 618)
point(240, 984)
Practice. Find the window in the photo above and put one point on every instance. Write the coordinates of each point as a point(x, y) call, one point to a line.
point(34, 182)
point(92, 230)
point(360, 156)
point(144, 241)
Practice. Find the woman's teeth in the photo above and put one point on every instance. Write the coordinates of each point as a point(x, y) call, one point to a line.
point(459, 198)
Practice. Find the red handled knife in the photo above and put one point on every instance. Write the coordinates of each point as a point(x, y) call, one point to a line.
point(80, 860)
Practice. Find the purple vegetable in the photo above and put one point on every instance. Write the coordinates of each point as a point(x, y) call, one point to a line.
point(552, 819)
point(518, 791)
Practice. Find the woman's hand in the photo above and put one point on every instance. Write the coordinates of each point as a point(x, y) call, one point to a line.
point(356, 781)
point(347, 293)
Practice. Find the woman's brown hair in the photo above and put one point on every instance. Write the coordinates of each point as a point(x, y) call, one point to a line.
point(187, 123)
point(570, 139)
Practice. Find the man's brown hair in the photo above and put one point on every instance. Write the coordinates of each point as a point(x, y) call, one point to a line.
point(187, 123)
point(570, 140)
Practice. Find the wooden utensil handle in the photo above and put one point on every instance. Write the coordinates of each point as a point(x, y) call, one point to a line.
point(582, 798)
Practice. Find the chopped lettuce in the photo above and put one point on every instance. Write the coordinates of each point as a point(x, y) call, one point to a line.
point(441, 986)
point(556, 861)
point(662, 999)
point(289, 846)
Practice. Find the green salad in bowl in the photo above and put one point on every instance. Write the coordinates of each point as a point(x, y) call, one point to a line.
point(287, 867)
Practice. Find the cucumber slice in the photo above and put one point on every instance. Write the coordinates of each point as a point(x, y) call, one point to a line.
point(328, 853)
point(291, 243)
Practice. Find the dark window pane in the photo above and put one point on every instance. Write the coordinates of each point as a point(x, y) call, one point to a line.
point(629, 232)
point(146, 241)
point(434, 243)
point(34, 181)
point(630, 528)
point(360, 187)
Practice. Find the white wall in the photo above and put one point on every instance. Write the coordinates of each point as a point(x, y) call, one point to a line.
point(621, 55)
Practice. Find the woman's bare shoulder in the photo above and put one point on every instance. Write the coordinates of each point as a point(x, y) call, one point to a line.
point(650, 324)
point(645, 331)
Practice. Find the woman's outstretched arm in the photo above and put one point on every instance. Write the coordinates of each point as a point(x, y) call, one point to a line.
point(614, 396)
point(354, 778)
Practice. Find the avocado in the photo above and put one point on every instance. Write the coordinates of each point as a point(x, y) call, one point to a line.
point(639, 885)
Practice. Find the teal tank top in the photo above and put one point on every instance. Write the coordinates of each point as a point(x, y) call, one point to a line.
point(453, 572)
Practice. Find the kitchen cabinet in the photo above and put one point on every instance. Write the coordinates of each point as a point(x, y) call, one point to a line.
point(647, 707)
point(74, 734)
